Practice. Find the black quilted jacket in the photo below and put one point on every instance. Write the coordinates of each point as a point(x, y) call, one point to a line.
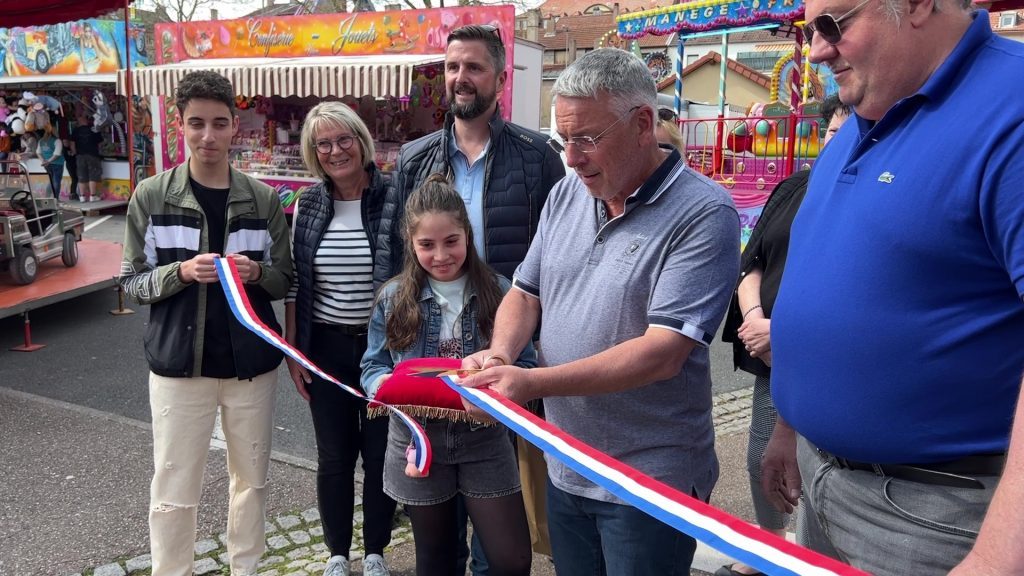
point(315, 211)
point(520, 170)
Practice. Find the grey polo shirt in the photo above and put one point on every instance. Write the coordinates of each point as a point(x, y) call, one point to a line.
point(670, 260)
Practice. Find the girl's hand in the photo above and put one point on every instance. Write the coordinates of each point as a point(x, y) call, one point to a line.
point(300, 376)
point(410, 463)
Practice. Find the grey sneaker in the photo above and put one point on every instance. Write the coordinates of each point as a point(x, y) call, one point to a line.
point(336, 566)
point(373, 565)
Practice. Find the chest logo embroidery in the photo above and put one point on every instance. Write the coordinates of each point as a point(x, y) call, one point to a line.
point(886, 177)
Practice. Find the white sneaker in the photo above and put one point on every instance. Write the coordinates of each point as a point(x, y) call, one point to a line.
point(373, 565)
point(336, 566)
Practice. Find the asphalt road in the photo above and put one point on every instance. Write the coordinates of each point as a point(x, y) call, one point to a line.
point(94, 359)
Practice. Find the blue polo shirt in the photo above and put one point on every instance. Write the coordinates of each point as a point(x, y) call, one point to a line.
point(897, 333)
point(469, 181)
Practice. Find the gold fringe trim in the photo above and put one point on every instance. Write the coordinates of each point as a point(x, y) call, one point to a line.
point(376, 411)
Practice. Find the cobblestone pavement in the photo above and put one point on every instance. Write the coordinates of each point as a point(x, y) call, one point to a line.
point(295, 541)
point(295, 547)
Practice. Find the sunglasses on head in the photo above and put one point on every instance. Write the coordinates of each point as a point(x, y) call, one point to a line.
point(666, 114)
point(828, 26)
point(488, 28)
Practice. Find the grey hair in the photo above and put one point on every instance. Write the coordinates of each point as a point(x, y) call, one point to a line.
point(335, 115)
point(617, 73)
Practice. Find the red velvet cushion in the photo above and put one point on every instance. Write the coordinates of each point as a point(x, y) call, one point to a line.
point(421, 395)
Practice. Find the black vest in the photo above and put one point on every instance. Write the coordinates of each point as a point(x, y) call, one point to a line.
point(315, 211)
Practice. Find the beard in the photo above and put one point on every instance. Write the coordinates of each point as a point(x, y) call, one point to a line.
point(480, 104)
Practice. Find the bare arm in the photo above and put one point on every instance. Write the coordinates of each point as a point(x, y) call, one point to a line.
point(749, 294)
point(656, 355)
point(755, 330)
point(998, 548)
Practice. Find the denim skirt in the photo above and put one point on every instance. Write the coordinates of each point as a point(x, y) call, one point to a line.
point(473, 459)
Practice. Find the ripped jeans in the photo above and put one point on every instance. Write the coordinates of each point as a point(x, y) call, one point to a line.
point(184, 411)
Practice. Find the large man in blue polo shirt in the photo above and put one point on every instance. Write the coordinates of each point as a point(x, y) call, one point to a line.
point(631, 271)
point(896, 336)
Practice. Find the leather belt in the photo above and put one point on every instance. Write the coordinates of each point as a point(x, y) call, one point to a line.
point(954, 473)
point(346, 329)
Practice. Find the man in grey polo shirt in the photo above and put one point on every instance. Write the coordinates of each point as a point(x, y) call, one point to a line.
point(631, 269)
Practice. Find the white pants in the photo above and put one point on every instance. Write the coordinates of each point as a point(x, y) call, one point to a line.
point(184, 411)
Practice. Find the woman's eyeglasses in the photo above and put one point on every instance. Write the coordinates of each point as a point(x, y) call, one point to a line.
point(666, 115)
point(327, 146)
point(828, 27)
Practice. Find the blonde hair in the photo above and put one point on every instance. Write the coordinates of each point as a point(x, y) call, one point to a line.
point(333, 115)
point(674, 135)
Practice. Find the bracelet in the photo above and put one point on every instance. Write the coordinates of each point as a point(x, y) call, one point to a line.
point(504, 361)
point(749, 310)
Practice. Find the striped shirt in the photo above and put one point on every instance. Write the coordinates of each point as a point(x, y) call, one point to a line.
point(342, 270)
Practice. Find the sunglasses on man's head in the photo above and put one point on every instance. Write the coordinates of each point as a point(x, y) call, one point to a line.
point(828, 26)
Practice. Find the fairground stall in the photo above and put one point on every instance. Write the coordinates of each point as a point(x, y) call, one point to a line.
point(52, 74)
point(385, 65)
point(749, 155)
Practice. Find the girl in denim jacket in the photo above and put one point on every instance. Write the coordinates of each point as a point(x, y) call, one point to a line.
point(443, 304)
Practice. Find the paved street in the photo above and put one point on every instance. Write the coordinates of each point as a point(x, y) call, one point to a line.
point(76, 454)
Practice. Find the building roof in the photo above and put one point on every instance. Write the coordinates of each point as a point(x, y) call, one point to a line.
point(569, 7)
point(714, 58)
point(587, 30)
point(993, 19)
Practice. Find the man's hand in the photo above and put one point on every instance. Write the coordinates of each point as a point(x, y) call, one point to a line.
point(509, 381)
point(756, 336)
point(300, 376)
point(199, 268)
point(483, 359)
point(975, 565)
point(248, 270)
point(780, 477)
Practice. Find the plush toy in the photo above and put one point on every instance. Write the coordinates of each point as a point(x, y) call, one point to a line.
point(101, 118)
point(29, 142)
point(16, 120)
point(37, 119)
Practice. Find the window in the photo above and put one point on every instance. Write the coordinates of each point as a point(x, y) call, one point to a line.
point(690, 59)
point(1008, 19)
point(761, 61)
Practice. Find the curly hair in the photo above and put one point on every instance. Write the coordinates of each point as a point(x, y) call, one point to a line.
point(204, 85)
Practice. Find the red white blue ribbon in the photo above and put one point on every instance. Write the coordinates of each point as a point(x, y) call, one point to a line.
point(238, 301)
point(730, 535)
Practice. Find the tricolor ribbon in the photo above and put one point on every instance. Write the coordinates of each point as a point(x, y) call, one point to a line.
point(238, 301)
point(728, 534)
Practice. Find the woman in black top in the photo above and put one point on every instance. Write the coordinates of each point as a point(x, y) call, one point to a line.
point(748, 324)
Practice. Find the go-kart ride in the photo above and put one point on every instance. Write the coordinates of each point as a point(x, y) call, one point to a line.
point(33, 228)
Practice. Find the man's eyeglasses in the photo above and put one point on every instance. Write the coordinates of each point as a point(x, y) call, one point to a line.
point(828, 27)
point(585, 144)
point(666, 114)
point(327, 146)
